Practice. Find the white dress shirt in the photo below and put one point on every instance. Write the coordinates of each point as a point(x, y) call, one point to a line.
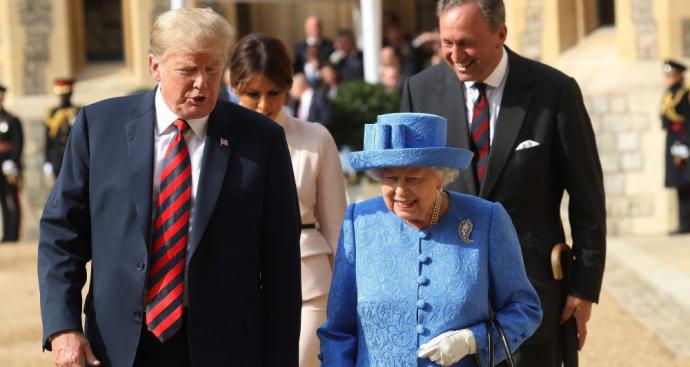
point(195, 138)
point(302, 112)
point(495, 84)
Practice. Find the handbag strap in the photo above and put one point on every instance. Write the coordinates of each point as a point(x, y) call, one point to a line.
point(490, 325)
point(504, 341)
point(490, 335)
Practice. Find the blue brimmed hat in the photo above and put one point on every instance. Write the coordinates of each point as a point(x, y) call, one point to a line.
point(408, 140)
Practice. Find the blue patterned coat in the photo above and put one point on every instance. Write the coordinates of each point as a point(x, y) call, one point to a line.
point(395, 287)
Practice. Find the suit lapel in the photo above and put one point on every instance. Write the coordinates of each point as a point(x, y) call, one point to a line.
point(517, 98)
point(458, 133)
point(139, 132)
point(213, 168)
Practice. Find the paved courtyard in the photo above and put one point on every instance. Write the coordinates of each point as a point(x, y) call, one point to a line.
point(622, 332)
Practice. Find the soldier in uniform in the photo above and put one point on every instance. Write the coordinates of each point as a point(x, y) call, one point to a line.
point(59, 121)
point(675, 116)
point(11, 142)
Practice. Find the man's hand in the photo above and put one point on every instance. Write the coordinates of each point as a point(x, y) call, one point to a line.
point(581, 309)
point(71, 349)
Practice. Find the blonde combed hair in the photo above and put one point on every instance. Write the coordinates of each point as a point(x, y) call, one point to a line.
point(198, 30)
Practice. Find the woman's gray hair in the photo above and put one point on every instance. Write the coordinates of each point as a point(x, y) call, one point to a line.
point(198, 30)
point(493, 10)
point(444, 174)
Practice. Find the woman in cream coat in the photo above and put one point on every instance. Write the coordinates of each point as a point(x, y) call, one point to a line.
point(261, 74)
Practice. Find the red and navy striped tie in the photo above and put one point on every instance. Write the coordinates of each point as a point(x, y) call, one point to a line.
point(169, 249)
point(480, 133)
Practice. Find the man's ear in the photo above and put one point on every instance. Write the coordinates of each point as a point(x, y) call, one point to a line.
point(502, 34)
point(154, 67)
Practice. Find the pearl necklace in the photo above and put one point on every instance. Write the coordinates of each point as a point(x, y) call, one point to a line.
point(436, 210)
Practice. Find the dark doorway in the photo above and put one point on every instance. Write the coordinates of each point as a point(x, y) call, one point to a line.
point(606, 12)
point(103, 30)
point(244, 16)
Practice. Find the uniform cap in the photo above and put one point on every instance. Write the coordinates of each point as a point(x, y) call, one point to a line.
point(672, 66)
point(63, 86)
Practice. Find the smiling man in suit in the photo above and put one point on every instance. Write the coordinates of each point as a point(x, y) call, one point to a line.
point(187, 210)
point(533, 140)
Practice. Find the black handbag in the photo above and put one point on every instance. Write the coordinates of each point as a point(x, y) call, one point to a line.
point(491, 324)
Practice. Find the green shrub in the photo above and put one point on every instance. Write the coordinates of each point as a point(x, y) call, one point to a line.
point(356, 104)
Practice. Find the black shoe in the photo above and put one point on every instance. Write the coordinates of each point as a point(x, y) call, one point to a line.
point(680, 231)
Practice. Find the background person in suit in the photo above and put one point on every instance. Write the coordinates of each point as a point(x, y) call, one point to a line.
point(533, 140)
point(348, 59)
point(314, 37)
point(262, 75)
point(11, 144)
point(675, 115)
point(59, 121)
point(187, 209)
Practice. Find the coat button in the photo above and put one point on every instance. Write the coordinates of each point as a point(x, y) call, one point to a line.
point(421, 304)
point(420, 329)
point(140, 266)
point(423, 258)
point(423, 234)
point(422, 280)
point(137, 315)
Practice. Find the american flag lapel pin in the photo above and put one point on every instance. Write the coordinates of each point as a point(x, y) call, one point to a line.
point(224, 143)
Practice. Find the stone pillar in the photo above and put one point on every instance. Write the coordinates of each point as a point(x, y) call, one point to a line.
point(64, 53)
point(559, 30)
point(11, 36)
point(673, 20)
point(137, 19)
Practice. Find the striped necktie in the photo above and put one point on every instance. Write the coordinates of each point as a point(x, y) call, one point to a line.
point(169, 249)
point(480, 133)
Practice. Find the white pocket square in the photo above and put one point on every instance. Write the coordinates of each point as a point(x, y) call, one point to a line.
point(527, 144)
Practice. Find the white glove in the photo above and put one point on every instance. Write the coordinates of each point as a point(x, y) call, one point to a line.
point(679, 150)
point(9, 168)
point(48, 169)
point(449, 347)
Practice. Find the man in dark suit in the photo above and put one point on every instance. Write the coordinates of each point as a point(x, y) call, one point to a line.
point(533, 140)
point(347, 58)
point(11, 144)
point(675, 119)
point(314, 37)
point(187, 209)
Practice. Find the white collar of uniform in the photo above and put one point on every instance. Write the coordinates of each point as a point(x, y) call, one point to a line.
point(165, 117)
point(496, 77)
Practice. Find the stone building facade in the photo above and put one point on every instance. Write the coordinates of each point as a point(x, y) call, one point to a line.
point(612, 47)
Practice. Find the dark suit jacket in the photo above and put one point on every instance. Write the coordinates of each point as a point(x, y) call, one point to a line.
point(320, 108)
point(541, 104)
point(243, 261)
point(325, 50)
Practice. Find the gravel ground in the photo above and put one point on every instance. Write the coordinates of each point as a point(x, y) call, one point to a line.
point(615, 338)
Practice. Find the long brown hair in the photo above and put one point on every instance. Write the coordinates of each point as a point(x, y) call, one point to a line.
point(260, 54)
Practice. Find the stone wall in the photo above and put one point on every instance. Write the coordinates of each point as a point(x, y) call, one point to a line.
point(532, 34)
point(619, 131)
point(35, 15)
point(645, 29)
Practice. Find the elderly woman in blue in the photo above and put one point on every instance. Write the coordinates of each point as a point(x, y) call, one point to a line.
point(418, 269)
